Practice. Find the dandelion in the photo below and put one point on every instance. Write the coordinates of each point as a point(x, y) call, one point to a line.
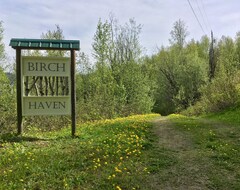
point(118, 188)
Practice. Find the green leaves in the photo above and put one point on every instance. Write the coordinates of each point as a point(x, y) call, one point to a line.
point(117, 84)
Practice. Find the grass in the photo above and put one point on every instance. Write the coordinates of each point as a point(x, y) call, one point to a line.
point(231, 116)
point(109, 154)
point(174, 152)
point(217, 148)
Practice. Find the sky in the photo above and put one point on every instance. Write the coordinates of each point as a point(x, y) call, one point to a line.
point(78, 19)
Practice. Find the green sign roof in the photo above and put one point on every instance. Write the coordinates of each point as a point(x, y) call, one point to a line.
point(45, 44)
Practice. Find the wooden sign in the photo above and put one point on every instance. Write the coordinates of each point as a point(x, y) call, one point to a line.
point(46, 86)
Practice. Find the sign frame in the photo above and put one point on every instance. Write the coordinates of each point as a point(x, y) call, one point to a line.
point(20, 44)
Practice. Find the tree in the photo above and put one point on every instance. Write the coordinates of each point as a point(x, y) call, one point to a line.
point(54, 35)
point(238, 46)
point(2, 48)
point(222, 91)
point(117, 85)
point(7, 96)
point(179, 34)
point(181, 70)
point(101, 42)
point(227, 59)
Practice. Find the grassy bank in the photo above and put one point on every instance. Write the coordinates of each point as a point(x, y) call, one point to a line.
point(109, 154)
point(230, 116)
point(137, 152)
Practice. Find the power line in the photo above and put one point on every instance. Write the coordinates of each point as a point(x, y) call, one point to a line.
point(204, 22)
point(196, 17)
point(204, 10)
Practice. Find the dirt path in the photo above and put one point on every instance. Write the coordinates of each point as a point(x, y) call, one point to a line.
point(189, 171)
point(168, 137)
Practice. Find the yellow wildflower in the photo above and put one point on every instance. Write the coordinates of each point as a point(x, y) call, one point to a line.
point(118, 188)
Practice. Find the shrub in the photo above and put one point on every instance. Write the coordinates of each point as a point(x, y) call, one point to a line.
point(221, 93)
point(7, 104)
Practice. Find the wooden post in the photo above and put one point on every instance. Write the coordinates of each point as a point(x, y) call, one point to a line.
point(73, 93)
point(19, 91)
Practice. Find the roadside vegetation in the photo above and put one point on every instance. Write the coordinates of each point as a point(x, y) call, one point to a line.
point(188, 76)
point(120, 144)
point(174, 152)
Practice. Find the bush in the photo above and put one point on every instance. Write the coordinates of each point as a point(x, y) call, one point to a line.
point(222, 93)
point(7, 104)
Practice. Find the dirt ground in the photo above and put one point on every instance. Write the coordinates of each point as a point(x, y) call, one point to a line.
point(189, 172)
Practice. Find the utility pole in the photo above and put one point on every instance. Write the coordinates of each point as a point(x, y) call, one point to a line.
point(212, 64)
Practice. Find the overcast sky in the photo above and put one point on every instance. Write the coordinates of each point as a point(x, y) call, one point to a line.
point(78, 18)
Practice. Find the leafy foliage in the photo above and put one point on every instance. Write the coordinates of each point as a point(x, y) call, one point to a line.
point(117, 85)
point(223, 91)
point(179, 34)
point(120, 81)
point(7, 104)
point(7, 94)
point(181, 74)
point(2, 48)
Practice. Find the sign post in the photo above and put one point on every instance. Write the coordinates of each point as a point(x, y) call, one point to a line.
point(73, 92)
point(19, 90)
point(45, 85)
